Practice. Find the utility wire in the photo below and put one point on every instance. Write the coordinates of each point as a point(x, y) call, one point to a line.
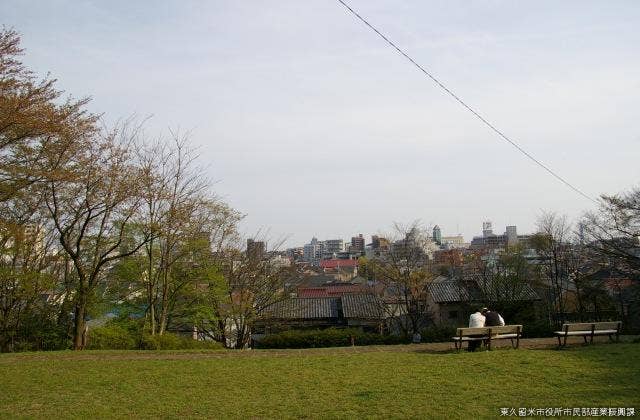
point(461, 102)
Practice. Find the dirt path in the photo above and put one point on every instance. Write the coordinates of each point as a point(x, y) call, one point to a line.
point(527, 343)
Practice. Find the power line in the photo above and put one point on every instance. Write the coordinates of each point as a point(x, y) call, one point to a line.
point(461, 102)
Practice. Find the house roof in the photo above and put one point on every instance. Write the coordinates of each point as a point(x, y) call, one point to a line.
point(359, 306)
point(315, 280)
point(448, 291)
point(522, 292)
point(338, 263)
point(359, 280)
point(303, 308)
point(331, 290)
point(362, 306)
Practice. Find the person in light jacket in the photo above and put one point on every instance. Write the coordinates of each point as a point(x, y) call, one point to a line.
point(476, 320)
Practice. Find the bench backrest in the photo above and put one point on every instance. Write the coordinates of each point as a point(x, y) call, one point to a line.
point(588, 326)
point(611, 325)
point(578, 326)
point(507, 329)
point(472, 331)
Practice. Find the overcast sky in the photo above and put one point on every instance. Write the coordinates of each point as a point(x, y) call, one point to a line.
point(312, 126)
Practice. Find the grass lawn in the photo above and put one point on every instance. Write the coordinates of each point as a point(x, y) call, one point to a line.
point(345, 382)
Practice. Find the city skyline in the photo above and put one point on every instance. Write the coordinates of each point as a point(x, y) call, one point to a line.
point(487, 229)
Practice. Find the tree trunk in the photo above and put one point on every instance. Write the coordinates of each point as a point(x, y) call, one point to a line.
point(150, 288)
point(151, 306)
point(163, 322)
point(79, 335)
point(164, 310)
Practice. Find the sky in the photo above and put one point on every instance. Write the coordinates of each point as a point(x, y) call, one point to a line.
point(311, 125)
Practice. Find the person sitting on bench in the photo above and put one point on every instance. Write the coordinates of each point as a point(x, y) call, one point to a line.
point(492, 318)
point(476, 320)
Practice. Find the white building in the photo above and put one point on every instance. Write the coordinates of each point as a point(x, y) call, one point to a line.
point(312, 252)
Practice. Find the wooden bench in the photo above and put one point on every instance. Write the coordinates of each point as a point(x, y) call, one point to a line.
point(588, 330)
point(488, 334)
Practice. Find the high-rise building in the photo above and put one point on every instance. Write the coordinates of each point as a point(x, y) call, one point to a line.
point(437, 235)
point(296, 254)
point(357, 243)
point(456, 241)
point(333, 246)
point(512, 235)
point(255, 249)
point(487, 229)
point(312, 252)
point(581, 227)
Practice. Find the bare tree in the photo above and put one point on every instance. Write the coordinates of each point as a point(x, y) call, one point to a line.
point(174, 191)
point(405, 271)
point(613, 232)
point(556, 253)
point(253, 283)
point(93, 200)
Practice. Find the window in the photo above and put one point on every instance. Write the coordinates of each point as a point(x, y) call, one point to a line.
point(453, 314)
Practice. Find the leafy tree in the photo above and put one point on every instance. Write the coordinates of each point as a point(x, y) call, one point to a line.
point(34, 120)
point(92, 200)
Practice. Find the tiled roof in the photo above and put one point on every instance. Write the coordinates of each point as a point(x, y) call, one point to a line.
point(359, 306)
point(492, 292)
point(331, 290)
point(312, 292)
point(362, 306)
point(315, 281)
point(303, 308)
point(448, 291)
point(337, 263)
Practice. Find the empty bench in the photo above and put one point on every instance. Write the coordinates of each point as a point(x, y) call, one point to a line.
point(588, 330)
point(488, 334)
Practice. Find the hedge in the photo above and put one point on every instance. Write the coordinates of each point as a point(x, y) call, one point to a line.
point(331, 337)
point(112, 337)
point(438, 334)
point(169, 341)
point(126, 334)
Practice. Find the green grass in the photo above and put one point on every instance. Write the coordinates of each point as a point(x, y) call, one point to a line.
point(329, 383)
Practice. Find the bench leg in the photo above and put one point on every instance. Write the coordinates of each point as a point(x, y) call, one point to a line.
point(565, 340)
point(584, 337)
point(559, 342)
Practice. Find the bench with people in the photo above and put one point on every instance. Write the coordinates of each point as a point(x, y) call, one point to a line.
point(486, 326)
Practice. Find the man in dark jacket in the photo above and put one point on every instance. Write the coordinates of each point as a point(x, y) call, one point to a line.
point(492, 319)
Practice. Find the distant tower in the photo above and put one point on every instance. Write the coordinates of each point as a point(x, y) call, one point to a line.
point(487, 229)
point(512, 235)
point(375, 241)
point(255, 249)
point(357, 243)
point(437, 235)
